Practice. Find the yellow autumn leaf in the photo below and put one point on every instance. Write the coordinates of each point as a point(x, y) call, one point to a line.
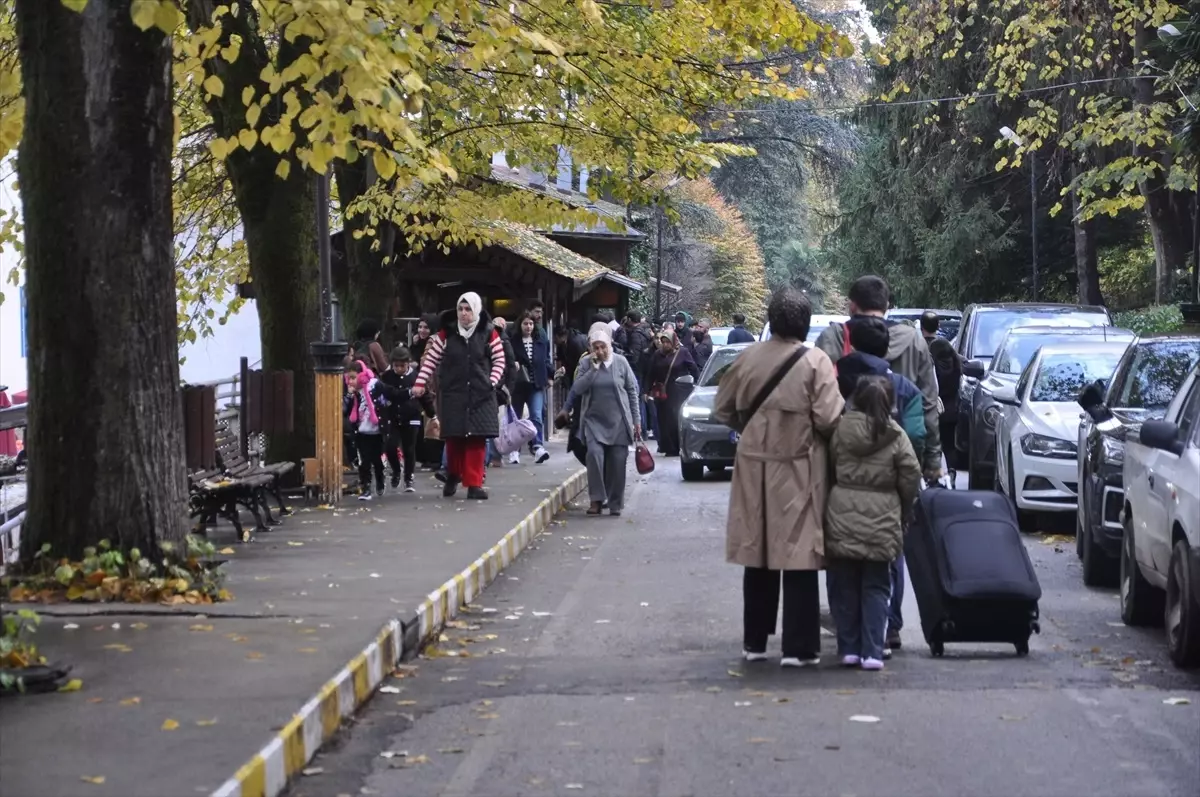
point(252, 114)
point(248, 138)
point(75, 5)
point(384, 165)
point(73, 685)
point(206, 723)
point(143, 13)
point(95, 779)
point(214, 86)
point(200, 627)
point(226, 551)
point(131, 701)
point(218, 148)
point(170, 725)
point(168, 17)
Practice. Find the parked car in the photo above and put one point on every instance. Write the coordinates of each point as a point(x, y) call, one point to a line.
point(1147, 378)
point(983, 328)
point(815, 328)
point(949, 321)
point(704, 443)
point(1036, 434)
point(719, 335)
point(1016, 350)
point(1160, 550)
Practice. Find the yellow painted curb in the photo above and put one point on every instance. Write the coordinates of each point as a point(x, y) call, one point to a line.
point(267, 773)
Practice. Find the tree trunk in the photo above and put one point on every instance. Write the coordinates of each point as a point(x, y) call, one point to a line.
point(278, 218)
point(105, 418)
point(1170, 231)
point(1087, 265)
point(369, 288)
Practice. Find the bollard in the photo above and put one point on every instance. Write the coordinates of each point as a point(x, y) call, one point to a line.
point(329, 365)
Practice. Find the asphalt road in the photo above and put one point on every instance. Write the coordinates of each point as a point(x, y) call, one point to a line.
point(605, 661)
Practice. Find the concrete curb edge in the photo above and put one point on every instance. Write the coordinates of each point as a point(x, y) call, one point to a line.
point(269, 771)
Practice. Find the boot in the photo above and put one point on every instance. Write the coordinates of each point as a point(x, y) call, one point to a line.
point(477, 493)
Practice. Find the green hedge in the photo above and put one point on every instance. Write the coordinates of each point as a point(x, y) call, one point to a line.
point(1155, 320)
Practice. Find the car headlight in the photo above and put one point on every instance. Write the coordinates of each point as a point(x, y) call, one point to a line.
point(695, 413)
point(1114, 451)
point(1036, 445)
point(991, 416)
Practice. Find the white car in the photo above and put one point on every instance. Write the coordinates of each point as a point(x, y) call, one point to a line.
point(1160, 551)
point(1038, 427)
point(815, 328)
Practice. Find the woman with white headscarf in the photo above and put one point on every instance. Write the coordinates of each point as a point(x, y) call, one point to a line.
point(467, 354)
point(609, 419)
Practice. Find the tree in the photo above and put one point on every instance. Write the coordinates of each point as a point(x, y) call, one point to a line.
point(105, 424)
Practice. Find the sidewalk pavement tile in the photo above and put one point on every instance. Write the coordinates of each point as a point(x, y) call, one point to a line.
point(315, 625)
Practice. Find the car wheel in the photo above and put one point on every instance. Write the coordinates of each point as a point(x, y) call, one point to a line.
point(692, 471)
point(1141, 603)
point(1182, 616)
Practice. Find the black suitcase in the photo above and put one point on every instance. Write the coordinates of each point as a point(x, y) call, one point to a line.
point(969, 570)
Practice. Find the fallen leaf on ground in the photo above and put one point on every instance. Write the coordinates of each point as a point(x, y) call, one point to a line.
point(1010, 717)
point(170, 725)
point(73, 685)
point(393, 753)
point(573, 786)
point(864, 718)
point(295, 544)
point(451, 750)
point(742, 703)
point(254, 656)
point(70, 626)
point(95, 700)
point(206, 723)
point(96, 779)
point(492, 683)
point(139, 626)
point(783, 700)
point(645, 604)
point(406, 702)
point(390, 690)
point(226, 551)
point(131, 701)
point(118, 647)
point(734, 673)
point(713, 689)
point(542, 614)
point(1113, 624)
point(603, 622)
point(200, 627)
point(1177, 701)
point(312, 771)
point(491, 716)
point(307, 650)
point(759, 740)
point(846, 692)
point(450, 679)
point(643, 760)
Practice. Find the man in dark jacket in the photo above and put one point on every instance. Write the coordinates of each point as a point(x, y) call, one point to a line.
point(683, 331)
point(569, 347)
point(702, 345)
point(947, 366)
point(639, 342)
point(869, 338)
point(739, 333)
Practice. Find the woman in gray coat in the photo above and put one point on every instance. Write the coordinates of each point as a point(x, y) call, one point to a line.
point(609, 418)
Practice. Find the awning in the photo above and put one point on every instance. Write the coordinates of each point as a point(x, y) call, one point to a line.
point(669, 287)
point(536, 248)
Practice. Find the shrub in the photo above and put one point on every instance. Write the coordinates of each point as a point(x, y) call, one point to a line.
point(1154, 320)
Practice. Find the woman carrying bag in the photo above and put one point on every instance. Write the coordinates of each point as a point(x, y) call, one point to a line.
point(608, 419)
point(670, 362)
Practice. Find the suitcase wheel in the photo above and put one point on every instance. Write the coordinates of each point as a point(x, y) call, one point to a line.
point(937, 649)
point(1022, 647)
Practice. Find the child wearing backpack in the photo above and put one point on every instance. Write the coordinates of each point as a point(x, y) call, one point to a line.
point(364, 405)
point(878, 477)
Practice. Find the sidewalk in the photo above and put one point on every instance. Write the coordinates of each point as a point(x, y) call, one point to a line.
point(174, 703)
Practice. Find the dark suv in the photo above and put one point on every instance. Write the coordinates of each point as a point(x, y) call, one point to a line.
point(1146, 379)
point(983, 327)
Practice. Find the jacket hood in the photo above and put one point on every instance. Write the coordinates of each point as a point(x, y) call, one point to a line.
point(901, 337)
point(855, 432)
point(857, 364)
point(449, 321)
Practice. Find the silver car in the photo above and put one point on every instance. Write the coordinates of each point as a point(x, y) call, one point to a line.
point(704, 443)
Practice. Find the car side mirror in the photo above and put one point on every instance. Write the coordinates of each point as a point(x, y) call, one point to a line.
point(1162, 435)
point(1091, 398)
point(973, 369)
point(1005, 394)
point(686, 379)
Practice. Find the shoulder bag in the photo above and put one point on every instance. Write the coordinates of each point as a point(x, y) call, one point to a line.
point(743, 416)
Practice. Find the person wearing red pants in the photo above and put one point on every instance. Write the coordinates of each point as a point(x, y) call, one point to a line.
point(467, 354)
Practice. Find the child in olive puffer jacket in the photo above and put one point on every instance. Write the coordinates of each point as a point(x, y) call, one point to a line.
point(877, 479)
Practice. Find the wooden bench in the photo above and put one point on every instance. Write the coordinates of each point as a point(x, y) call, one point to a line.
point(214, 493)
point(230, 460)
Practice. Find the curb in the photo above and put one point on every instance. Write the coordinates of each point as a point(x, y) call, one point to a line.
point(268, 772)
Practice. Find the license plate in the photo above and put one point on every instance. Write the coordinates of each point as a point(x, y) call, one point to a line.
point(733, 437)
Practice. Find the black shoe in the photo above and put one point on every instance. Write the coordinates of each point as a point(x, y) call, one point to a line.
point(408, 486)
point(451, 487)
point(440, 475)
point(477, 493)
point(395, 482)
point(379, 488)
point(893, 640)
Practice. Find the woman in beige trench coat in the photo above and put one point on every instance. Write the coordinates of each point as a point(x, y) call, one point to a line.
point(780, 481)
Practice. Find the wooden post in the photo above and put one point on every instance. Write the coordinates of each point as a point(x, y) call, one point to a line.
point(329, 365)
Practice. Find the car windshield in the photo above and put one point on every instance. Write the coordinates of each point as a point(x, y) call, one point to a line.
point(993, 324)
point(1062, 376)
point(717, 365)
point(948, 328)
point(1018, 350)
point(719, 337)
point(1156, 374)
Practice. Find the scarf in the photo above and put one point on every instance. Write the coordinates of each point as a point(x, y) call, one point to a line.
point(364, 394)
point(476, 305)
point(600, 331)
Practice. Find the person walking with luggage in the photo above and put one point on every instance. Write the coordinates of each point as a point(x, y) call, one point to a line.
point(947, 367)
point(607, 392)
point(877, 479)
point(404, 421)
point(783, 399)
point(534, 371)
point(467, 355)
point(669, 363)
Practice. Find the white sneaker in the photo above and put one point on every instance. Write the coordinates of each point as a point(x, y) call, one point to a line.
point(540, 455)
point(851, 660)
point(514, 458)
point(750, 655)
point(792, 661)
point(887, 652)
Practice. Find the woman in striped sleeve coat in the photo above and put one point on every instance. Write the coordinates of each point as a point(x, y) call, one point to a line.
point(467, 355)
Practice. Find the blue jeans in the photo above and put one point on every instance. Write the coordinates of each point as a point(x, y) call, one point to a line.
point(536, 401)
point(859, 592)
point(895, 617)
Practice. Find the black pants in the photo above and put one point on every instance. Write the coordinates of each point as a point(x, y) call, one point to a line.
point(403, 437)
point(370, 455)
point(668, 426)
point(946, 430)
point(801, 611)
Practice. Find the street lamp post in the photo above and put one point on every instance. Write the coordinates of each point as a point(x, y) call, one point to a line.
point(328, 364)
point(1012, 136)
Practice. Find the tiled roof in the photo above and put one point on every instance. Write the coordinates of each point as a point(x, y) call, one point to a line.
point(609, 212)
point(537, 248)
